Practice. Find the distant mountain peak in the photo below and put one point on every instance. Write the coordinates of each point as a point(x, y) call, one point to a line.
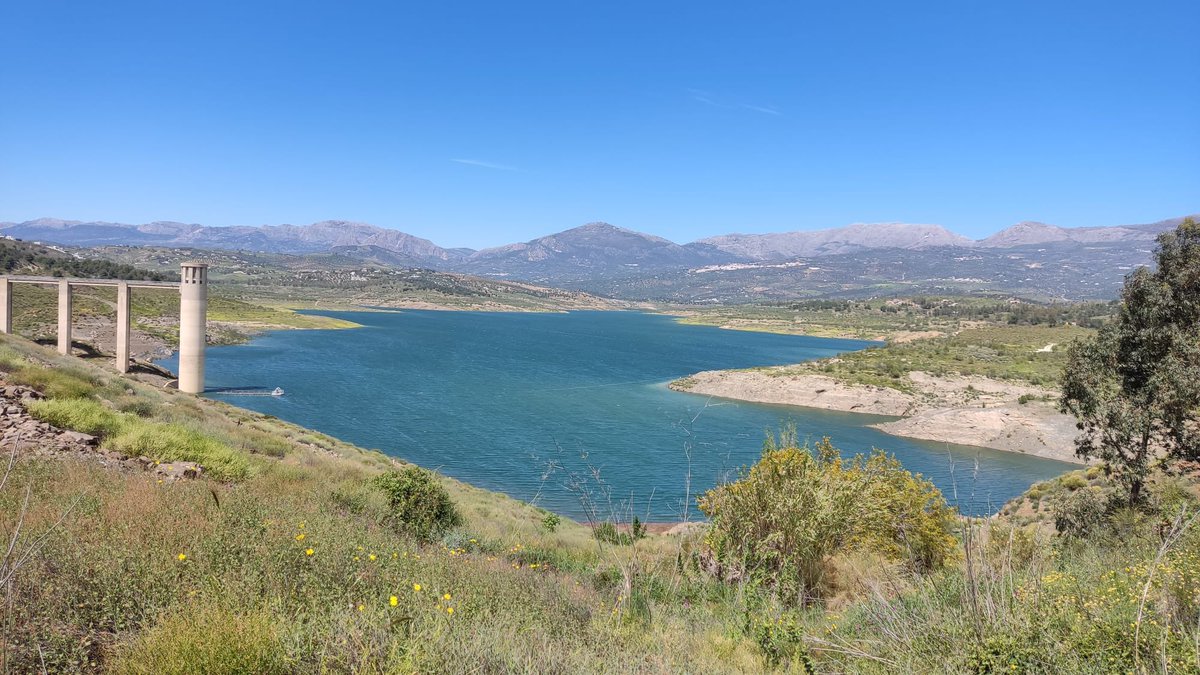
point(856, 236)
point(1026, 233)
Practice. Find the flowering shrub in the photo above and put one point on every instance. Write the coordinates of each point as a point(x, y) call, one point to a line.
point(782, 521)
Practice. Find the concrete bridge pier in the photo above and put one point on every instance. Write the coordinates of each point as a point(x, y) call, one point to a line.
point(64, 317)
point(193, 325)
point(5, 305)
point(123, 326)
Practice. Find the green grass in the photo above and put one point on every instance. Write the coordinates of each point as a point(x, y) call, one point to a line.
point(135, 436)
point(170, 442)
point(996, 351)
point(208, 638)
point(882, 319)
point(87, 416)
point(64, 383)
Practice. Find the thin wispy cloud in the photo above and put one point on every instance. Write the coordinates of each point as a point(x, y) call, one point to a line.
point(760, 108)
point(486, 165)
point(708, 98)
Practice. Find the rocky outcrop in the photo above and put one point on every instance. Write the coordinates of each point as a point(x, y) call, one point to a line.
point(30, 437)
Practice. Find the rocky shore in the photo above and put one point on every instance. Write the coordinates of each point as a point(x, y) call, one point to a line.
point(963, 410)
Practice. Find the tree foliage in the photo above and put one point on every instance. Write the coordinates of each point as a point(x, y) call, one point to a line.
point(420, 506)
point(1135, 385)
point(797, 507)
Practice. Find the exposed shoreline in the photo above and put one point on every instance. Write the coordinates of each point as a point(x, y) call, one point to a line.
point(975, 411)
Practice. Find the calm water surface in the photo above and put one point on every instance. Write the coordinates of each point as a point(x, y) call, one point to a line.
point(570, 411)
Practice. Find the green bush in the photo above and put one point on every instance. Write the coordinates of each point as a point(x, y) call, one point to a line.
point(782, 643)
point(87, 416)
point(1079, 513)
point(551, 521)
point(420, 506)
point(1073, 481)
point(782, 521)
point(609, 534)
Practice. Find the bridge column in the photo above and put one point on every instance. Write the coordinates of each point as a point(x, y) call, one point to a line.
point(193, 325)
point(123, 326)
point(64, 317)
point(5, 305)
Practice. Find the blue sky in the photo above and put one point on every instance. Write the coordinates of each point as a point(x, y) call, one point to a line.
point(476, 124)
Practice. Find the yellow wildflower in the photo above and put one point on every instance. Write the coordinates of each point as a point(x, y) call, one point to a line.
point(300, 537)
point(308, 551)
point(371, 557)
point(446, 596)
point(393, 601)
point(416, 588)
point(181, 557)
point(449, 610)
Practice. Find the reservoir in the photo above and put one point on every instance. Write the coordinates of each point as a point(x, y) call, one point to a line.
point(571, 411)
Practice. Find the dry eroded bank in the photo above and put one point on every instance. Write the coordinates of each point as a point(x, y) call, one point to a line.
point(966, 410)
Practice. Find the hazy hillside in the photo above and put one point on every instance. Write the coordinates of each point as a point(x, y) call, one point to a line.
point(1029, 233)
point(1029, 258)
point(318, 237)
point(1058, 271)
point(860, 236)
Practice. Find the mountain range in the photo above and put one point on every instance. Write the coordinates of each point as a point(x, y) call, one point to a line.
point(600, 257)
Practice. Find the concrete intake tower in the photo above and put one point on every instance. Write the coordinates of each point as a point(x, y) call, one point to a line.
point(193, 313)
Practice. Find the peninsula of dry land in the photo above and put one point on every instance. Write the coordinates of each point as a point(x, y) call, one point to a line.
point(955, 370)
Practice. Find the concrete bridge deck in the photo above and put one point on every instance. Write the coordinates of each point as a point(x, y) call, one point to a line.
point(77, 281)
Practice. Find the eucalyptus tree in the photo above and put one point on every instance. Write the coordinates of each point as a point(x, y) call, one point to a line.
point(1135, 386)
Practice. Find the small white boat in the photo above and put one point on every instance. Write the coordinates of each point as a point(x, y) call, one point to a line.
point(277, 392)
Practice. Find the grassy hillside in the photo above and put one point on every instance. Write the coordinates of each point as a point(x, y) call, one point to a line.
point(1001, 339)
point(18, 257)
point(896, 319)
point(288, 557)
point(340, 281)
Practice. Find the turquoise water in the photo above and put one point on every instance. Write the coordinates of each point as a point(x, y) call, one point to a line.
point(570, 411)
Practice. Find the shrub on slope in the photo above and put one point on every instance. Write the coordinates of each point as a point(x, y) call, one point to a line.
point(781, 523)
